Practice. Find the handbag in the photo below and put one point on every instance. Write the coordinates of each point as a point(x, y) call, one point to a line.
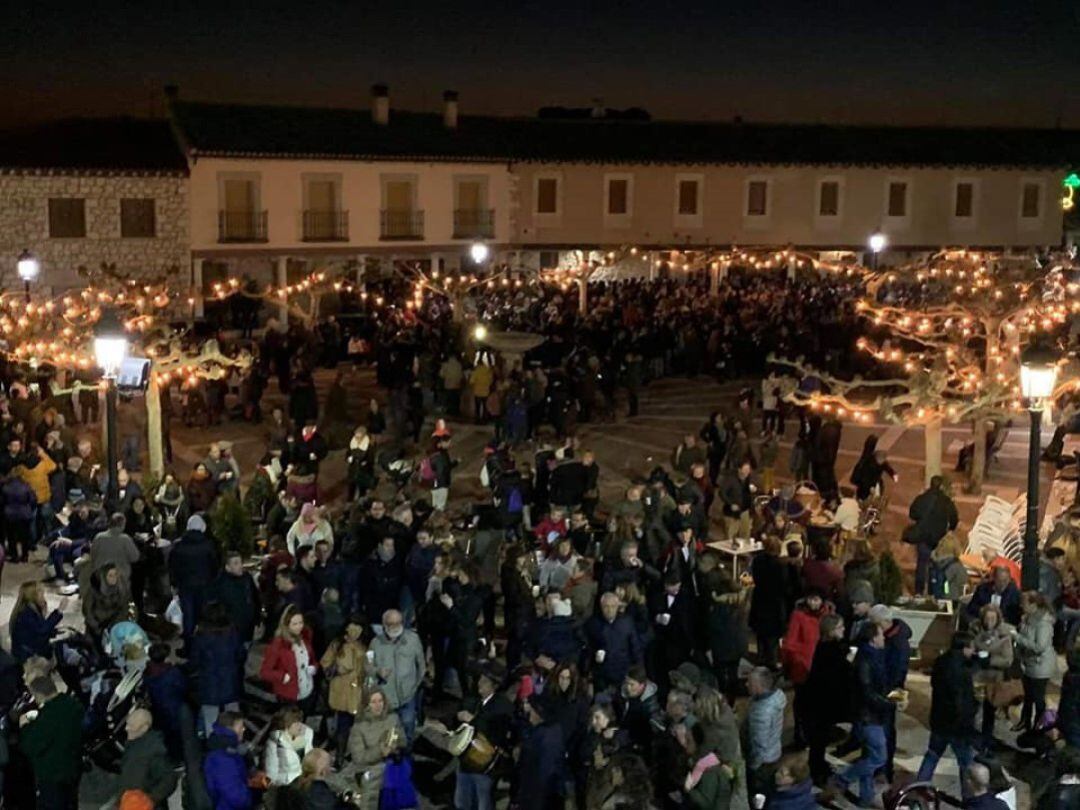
point(910, 534)
point(1002, 694)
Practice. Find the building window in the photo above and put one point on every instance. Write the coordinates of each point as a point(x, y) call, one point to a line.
point(1031, 201)
point(964, 204)
point(897, 202)
point(688, 198)
point(618, 197)
point(547, 195)
point(137, 219)
point(829, 198)
point(67, 218)
point(757, 198)
point(549, 259)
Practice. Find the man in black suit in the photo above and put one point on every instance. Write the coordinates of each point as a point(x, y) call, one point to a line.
point(492, 715)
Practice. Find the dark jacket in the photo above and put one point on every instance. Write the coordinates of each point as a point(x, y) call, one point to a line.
point(381, 582)
point(1068, 721)
point(226, 772)
point(934, 514)
point(557, 637)
point(105, 605)
point(19, 499)
point(31, 633)
point(240, 597)
point(569, 482)
point(192, 561)
point(540, 767)
point(419, 563)
point(145, 766)
point(53, 741)
point(1060, 797)
point(1010, 601)
point(794, 797)
point(441, 465)
point(897, 654)
point(767, 602)
point(620, 642)
point(494, 719)
point(641, 716)
point(872, 707)
point(217, 657)
point(829, 685)
point(952, 700)
point(167, 687)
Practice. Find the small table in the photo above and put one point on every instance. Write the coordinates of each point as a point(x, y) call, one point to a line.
point(744, 549)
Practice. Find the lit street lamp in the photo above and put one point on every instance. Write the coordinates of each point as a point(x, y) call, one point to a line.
point(110, 349)
point(877, 243)
point(1038, 375)
point(29, 268)
point(479, 252)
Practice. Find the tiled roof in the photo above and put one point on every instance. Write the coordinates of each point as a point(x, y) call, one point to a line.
point(97, 145)
point(279, 131)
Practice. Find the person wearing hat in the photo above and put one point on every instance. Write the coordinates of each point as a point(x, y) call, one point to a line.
point(860, 595)
point(541, 760)
point(491, 713)
point(192, 567)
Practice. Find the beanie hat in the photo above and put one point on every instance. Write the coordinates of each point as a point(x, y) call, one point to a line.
point(861, 591)
point(196, 524)
point(881, 614)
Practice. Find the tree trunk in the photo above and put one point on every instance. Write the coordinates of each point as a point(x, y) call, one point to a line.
point(932, 440)
point(714, 280)
point(154, 438)
point(978, 457)
point(583, 297)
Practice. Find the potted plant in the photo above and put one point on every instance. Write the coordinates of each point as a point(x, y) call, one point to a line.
point(231, 525)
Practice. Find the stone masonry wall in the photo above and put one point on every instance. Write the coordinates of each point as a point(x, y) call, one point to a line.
point(24, 224)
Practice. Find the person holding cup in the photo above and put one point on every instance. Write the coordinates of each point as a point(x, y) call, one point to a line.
point(994, 648)
point(613, 644)
point(674, 613)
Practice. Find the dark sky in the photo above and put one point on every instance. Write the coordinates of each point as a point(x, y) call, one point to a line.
point(1004, 62)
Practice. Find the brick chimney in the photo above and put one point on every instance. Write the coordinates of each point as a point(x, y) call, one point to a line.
point(450, 108)
point(380, 104)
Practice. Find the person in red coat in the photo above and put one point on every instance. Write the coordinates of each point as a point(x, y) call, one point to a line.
point(289, 665)
point(797, 650)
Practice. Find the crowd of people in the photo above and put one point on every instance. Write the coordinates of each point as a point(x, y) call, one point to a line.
point(525, 636)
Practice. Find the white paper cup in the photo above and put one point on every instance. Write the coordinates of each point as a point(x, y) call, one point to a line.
point(600, 654)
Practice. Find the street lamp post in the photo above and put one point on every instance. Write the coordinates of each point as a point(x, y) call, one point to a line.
point(1038, 375)
point(877, 242)
point(110, 349)
point(479, 252)
point(28, 267)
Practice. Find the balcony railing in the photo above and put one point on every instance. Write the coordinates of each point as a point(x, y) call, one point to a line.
point(473, 223)
point(241, 226)
point(326, 226)
point(402, 225)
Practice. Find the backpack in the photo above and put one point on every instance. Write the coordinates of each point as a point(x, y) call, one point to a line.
point(427, 471)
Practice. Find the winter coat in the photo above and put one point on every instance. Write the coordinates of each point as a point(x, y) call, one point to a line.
point(381, 584)
point(952, 699)
point(192, 561)
point(365, 748)
point(934, 514)
point(1068, 721)
point(797, 652)
point(620, 642)
point(31, 633)
point(283, 753)
point(794, 797)
point(302, 535)
point(167, 688)
point(557, 637)
point(404, 657)
point(765, 724)
point(829, 684)
point(19, 500)
point(37, 477)
point(767, 600)
point(641, 716)
point(105, 605)
point(1010, 601)
point(897, 654)
point(1035, 645)
point(999, 644)
point(569, 482)
point(540, 767)
point(225, 772)
point(53, 740)
point(145, 766)
point(954, 574)
point(114, 548)
point(240, 597)
point(872, 707)
point(345, 663)
point(218, 658)
point(280, 661)
point(712, 791)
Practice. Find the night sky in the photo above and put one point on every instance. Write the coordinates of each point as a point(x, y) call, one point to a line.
point(1010, 63)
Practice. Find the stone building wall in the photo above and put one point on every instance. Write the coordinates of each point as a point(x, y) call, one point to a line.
point(24, 224)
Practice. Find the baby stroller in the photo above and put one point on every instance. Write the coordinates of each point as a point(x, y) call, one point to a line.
point(919, 796)
point(111, 698)
point(398, 469)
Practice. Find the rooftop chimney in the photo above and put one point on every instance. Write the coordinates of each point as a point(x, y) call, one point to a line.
point(380, 104)
point(449, 117)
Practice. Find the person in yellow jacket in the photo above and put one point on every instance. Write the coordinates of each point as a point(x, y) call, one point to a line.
point(35, 470)
point(480, 381)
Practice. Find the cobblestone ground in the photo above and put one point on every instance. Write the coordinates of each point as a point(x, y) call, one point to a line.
point(624, 448)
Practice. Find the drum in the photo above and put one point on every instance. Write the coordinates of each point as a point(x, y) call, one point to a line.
point(479, 756)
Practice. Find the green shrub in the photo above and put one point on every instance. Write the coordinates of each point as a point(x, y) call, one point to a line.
point(231, 526)
point(892, 580)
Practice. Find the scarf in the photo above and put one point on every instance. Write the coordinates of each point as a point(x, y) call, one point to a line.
point(361, 445)
point(307, 433)
point(702, 765)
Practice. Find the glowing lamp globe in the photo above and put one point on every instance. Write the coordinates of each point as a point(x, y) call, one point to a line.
point(110, 343)
point(480, 332)
point(1038, 373)
point(878, 241)
point(28, 266)
point(479, 252)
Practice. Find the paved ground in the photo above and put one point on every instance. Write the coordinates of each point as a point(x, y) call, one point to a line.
point(669, 409)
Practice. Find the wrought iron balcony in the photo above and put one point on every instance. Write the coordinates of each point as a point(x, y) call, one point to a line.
point(326, 226)
point(402, 225)
point(242, 226)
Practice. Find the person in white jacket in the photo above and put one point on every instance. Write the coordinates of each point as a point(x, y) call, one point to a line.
point(289, 740)
point(309, 529)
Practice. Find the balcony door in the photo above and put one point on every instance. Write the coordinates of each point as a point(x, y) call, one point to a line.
point(321, 220)
point(239, 215)
point(472, 219)
point(399, 196)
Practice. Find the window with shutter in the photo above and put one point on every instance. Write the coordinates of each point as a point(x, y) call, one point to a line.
point(67, 218)
point(757, 198)
point(1029, 201)
point(829, 199)
point(617, 197)
point(547, 195)
point(137, 219)
point(688, 197)
point(897, 206)
point(965, 201)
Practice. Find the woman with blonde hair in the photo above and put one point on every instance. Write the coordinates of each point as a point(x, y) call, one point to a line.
point(1038, 661)
point(31, 627)
point(289, 665)
point(992, 637)
point(948, 576)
